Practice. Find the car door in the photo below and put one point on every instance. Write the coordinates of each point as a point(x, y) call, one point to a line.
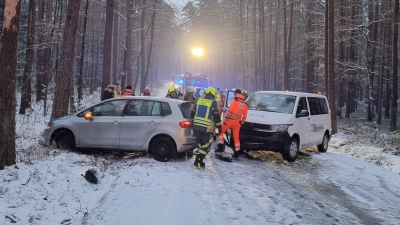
point(228, 99)
point(318, 110)
point(303, 123)
point(140, 119)
point(104, 128)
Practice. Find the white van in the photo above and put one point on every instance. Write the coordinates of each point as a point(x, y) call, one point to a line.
point(284, 122)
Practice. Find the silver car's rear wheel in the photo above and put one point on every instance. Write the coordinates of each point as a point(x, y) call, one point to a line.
point(162, 149)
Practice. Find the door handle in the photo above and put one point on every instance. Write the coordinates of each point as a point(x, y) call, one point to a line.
point(115, 123)
point(152, 122)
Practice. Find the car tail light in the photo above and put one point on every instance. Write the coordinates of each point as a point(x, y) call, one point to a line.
point(186, 124)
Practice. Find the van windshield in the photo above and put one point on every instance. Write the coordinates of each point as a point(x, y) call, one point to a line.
point(272, 102)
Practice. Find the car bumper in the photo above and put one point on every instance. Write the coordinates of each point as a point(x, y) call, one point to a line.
point(188, 143)
point(269, 141)
point(46, 136)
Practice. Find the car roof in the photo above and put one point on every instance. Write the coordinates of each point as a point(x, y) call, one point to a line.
point(300, 94)
point(164, 99)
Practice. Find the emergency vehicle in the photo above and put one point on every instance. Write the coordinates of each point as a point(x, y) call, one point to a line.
point(199, 81)
point(284, 122)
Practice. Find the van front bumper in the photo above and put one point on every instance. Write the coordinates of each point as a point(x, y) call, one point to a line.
point(269, 141)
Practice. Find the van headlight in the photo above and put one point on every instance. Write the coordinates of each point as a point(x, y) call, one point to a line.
point(279, 127)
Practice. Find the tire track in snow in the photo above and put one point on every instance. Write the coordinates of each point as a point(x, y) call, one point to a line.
point(224, 195)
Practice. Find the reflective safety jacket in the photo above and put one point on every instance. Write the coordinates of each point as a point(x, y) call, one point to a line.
point(237, 109)
point(127, 92)
point(205, 114)
point(117, 93)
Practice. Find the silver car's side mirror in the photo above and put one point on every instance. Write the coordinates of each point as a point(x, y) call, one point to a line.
point(88, 115)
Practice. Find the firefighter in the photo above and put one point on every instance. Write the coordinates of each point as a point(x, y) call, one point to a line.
point(206, 118)
point(171, 92)
point(146, 92)
point(218, 97)
point(245, 93)
point(179, 94)
point(189, 95)
point(127, 92)
point(117, 91)
point(234, 119)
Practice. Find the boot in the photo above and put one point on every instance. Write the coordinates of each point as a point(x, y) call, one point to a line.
point(198, 161)
point(220, 148)
point(236, 155)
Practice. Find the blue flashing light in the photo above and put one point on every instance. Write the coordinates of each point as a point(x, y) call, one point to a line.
point(181, 81)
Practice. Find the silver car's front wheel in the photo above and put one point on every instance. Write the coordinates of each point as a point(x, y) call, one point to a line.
point(162, 149)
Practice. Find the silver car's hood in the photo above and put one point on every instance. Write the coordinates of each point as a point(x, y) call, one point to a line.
point(62, 118)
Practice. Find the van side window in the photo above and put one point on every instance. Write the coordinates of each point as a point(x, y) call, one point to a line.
point(302, 105)
point(318, 106)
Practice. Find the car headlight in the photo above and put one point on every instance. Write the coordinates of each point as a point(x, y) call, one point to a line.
point(279, 127)
point(48, 126)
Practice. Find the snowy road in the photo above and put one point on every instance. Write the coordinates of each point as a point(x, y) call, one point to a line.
point(327, 189)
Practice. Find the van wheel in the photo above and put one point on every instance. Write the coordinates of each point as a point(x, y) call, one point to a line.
point(65, 140)
point(324, 145)
point(163, 149)
point(290, 154)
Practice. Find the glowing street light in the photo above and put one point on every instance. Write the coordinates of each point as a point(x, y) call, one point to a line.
point(197, 51)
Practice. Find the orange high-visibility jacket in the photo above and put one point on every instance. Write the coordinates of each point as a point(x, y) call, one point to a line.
point(237, 109)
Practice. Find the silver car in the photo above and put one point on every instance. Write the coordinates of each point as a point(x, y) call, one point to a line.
point(161, 126)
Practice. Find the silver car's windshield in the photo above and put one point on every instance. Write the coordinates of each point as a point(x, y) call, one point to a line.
point(272, 102)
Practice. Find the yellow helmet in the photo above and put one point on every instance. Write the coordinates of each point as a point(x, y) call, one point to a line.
point(211, 90)
point(171, 89)
point(245, 92)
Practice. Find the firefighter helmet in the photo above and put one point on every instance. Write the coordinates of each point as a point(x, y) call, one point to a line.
point(211, 90)
point(171, 89)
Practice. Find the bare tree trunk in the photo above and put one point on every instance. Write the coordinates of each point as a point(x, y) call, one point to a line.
point(26, 90)
point(287, 44)
point(153, 17)
point(275, 86)
point(63, 81)
point(115, 45)
point(262, 46)
point(241, 44)
point(326, 51)
point(106, 79)
point(371, 50)
point(351, 92)
point(331, 65)
point(2, 3)
point(8, 68)
point(309, 41)
point(129, 44)
point(395, 84)
point(255, 41)
point(40, 52)
point(80, 79)
point(341, 51)
point(142, 48)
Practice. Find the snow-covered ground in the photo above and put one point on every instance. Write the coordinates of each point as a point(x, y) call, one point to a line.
point(46, 186)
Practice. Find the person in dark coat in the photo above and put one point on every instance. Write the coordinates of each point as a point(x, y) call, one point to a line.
point(108, 93)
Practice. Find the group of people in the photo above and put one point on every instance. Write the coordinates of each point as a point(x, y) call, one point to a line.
point(207, 120)
point(114, 91)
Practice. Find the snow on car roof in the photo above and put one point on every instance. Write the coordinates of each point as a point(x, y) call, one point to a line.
point(291, 93)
